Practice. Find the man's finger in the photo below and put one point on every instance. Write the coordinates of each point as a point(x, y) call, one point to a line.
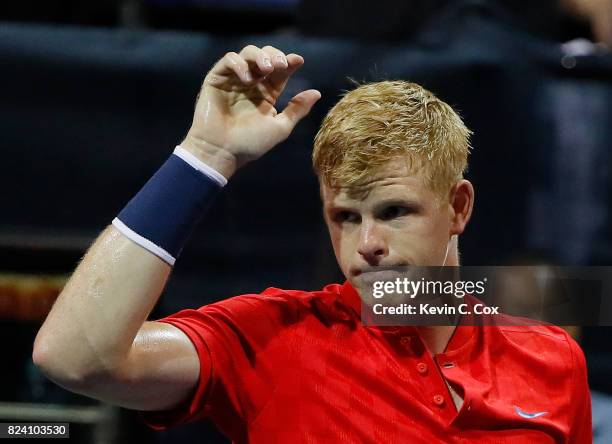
point(278, 79)
point(279, 59)
point(298, 107)
point(231, 64)
point(259, 61)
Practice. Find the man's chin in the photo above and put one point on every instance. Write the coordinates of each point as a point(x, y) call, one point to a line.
point(364, 284)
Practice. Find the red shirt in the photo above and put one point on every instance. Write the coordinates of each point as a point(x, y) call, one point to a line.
point(288, 366)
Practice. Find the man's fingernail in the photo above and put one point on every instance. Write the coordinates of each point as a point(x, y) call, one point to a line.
point(248, 76)
point(267, 63)
point(282, 59)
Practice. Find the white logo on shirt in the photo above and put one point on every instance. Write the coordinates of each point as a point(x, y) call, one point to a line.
point(524, 414)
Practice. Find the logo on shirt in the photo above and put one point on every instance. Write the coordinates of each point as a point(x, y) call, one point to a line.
point(524, 414)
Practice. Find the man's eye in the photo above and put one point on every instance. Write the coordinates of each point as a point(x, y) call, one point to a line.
point(347, 216)
point(394, 212)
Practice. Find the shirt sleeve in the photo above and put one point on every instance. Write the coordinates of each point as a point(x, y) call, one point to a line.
point(581, 431)
point(239, 338)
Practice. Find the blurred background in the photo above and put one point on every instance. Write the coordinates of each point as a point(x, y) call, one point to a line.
point(94, 95)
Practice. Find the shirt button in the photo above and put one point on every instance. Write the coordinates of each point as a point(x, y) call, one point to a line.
point(438, 400)
point(405, 341)
point(421, 368)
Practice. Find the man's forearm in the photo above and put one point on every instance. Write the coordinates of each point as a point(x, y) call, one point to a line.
point(95, 319)
point(91, 329)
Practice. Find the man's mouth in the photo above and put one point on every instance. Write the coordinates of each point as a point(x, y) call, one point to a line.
point(380, 273)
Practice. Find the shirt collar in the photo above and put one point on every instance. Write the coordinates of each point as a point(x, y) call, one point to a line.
point(459, 341)
point(350, 297)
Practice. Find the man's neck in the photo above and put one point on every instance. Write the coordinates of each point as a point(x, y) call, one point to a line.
point(436, 337)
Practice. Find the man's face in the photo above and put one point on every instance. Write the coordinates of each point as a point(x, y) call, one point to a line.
point(395, 221)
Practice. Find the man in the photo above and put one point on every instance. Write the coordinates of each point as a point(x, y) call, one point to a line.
point(299, 366)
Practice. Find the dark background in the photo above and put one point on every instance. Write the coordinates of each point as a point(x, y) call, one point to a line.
point(95, 95)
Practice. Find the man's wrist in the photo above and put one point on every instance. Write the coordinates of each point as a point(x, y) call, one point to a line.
point(162, 215)
point(214, 156)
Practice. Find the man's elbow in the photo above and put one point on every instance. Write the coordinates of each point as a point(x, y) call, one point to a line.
point(60, 365)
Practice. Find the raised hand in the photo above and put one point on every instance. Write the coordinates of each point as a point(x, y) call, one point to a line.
point(235, 119)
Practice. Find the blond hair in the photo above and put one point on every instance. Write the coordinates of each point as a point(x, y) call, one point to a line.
point(377, 122)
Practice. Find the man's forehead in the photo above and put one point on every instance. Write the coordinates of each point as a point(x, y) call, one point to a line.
point(393, 180)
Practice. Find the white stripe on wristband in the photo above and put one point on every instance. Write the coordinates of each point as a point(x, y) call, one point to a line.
point(200, 166)
point(143, 242)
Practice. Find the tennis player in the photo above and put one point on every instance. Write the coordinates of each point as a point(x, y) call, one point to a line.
point(292, 366)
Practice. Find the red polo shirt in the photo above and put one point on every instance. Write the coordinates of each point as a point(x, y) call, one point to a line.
point(288, 366)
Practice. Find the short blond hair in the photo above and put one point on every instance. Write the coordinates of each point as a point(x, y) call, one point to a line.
point(377, 122)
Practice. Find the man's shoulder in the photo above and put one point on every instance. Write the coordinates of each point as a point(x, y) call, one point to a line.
point(276, 295)
point(325, 292)
point(549, 345)
point(542, 331)
point(288, 305)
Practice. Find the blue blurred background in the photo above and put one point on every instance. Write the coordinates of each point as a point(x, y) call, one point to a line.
point(94, 95)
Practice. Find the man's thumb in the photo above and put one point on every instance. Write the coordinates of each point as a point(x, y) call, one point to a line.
point(298, 107)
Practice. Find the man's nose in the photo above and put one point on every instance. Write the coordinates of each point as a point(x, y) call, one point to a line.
point(372, 245)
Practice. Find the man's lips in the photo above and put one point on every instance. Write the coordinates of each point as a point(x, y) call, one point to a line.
point(380, 276)
point(372, 270)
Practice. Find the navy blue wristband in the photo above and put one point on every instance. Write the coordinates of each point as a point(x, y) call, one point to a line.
point(165, 211)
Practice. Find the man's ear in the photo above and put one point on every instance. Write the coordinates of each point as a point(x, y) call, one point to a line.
point(461, 203)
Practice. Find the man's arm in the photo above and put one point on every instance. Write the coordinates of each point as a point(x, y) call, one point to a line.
point(96, 340)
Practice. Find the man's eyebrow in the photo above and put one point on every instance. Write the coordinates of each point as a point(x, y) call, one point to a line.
point(412, 204)
point(398, 201)
point(339, 207)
